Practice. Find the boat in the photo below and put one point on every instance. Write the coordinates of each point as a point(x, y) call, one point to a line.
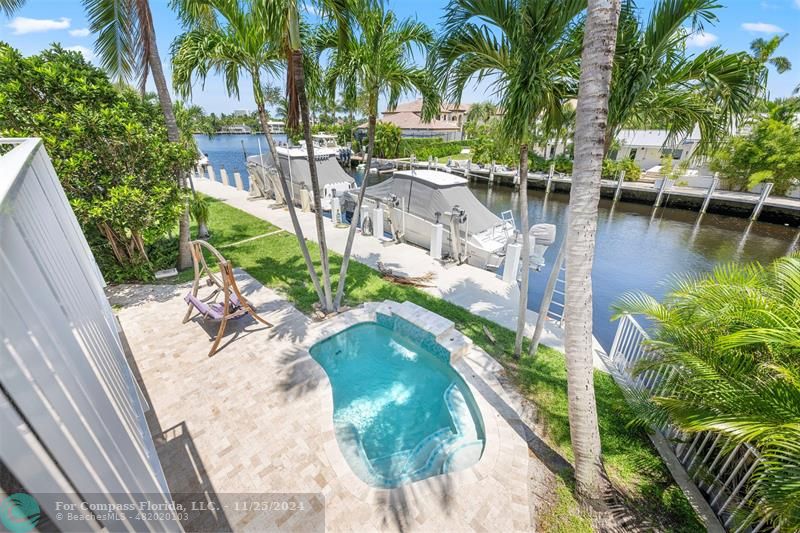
point(415, 200)
point(327, 140)
point(378, 166)
point(333, 180)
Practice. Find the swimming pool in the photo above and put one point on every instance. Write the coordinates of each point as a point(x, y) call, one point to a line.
point(401, 413)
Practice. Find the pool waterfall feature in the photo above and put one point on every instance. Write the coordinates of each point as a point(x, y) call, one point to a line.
point(401, 413)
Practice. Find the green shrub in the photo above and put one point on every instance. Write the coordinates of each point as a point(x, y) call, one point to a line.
point(436, 148)
point(109, 148)
point(611, 168)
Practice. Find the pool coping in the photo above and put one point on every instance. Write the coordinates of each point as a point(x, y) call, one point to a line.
point(467, 361)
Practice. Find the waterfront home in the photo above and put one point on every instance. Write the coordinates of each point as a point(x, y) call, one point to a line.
point(276, 127)
point(647, 147)
point(408, 117)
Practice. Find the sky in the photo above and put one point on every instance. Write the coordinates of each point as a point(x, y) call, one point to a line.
point(41, 22)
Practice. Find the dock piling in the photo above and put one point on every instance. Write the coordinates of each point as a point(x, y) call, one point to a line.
point(377, 222)
point(491, 173)
point(709, 193)
point(436, 241)
point(467, 173)
point(513, 253)
point(550, 177)
point(223, 176)
point(761, 199)
point(237, 179)
point(430, 161)
point(620, 181)
point(665, 184)
point(211, 175)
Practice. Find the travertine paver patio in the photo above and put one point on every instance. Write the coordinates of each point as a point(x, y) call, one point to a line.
point(257, 418)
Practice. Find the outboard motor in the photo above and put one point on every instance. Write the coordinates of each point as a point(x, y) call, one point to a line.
point(543, 235)
point(457, 217)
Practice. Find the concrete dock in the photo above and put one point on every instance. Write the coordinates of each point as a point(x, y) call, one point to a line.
point(479, 291)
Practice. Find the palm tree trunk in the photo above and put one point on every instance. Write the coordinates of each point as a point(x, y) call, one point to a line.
point(373, 119)
point(526, 249)
point(299, 80)
point(592, 113)
point(173, 134)
point(298, 231)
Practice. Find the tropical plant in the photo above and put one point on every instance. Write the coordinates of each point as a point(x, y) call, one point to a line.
point(200, 210)
point(108, 147)
point(727, 345)
point(770, 152)
point(590, 122)
point(611, 169)
point(231, 38)
point(387, 139)
point(378, 59)
point(655, 81)
point(527, 48)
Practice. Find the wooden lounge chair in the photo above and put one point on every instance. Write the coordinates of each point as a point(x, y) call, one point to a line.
point(233, 304)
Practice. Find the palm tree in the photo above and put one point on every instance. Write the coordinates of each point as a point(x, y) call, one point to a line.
point(655, 81)
point(529, 51)
point(590, 122)
point(379, 60)
point(231, 38)
point(126, 46)
point(764, 52)
point(727, 345)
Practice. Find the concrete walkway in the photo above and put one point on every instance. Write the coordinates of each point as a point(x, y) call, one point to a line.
point(479, 291)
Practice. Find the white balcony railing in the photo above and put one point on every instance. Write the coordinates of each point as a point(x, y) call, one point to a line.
point(73, 427)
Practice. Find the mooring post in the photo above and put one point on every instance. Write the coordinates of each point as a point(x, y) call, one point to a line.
point(761, 199)
point(710, 193)
point(430, 161)
point(661, 189)
point(436, 241)
point(237, 179)
point(336, 211)
point(550, 177)
point(223, 176)
point(467, 173)
point(211, 175)
point(199, 169)
point(516, 180)
point(511, 269)
point(491, 173)
point(377, 222)
point(620, 181)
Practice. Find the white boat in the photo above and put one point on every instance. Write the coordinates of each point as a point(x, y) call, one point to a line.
point(415, 200)
point(333, 180)
point(331, 142)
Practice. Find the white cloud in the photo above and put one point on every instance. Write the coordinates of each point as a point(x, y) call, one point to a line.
point(701, 39)
point(87, 52)
point(80, 32)
point(797, 3)
point(761, 27)
point(23, 25)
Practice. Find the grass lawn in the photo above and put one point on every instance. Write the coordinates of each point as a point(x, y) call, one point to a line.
point(632, 463)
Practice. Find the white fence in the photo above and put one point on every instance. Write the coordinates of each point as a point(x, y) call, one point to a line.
point(721, 471)
point(73, 427)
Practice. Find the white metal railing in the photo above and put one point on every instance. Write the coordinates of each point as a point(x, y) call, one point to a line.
point(723, 472)
point(73, 427)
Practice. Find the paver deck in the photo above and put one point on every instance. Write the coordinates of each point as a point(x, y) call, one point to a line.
point(257, 418)
point(479, 291)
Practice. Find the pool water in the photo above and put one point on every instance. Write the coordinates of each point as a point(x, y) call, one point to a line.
point(401, 412)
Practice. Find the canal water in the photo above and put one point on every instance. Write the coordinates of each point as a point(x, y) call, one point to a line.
point(638, 249)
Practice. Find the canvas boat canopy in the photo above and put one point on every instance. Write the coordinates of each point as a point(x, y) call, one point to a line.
point(426, 192)
point(294, 163)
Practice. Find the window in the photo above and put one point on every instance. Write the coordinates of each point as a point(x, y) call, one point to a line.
point(632, 155)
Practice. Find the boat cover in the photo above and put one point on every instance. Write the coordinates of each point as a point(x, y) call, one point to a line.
point(425, 192)
point(329, 170)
